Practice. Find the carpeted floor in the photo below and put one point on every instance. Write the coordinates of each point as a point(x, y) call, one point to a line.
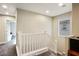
point(8, 49)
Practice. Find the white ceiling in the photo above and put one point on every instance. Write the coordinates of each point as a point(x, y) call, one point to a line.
point(10, 9)
point(41, 8)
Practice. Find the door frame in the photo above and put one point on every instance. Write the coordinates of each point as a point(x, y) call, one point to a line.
point(6, 27)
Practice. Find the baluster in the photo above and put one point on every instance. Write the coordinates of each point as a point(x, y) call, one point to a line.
point(30, 42)
point(27, 44)
point(22, 40)
point(45, 39)
point(20, 43)
point(34, 42)
point(38, 41)
point(41, 41)
point(24, 43)
point(26, 37)
point(44, 35)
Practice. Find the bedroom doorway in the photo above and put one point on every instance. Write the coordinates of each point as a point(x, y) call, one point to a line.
point(11, 31)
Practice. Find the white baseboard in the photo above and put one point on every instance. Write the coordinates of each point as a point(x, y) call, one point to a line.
point(62, 53)
point(36, 52)
point(2, 43)
point(54, 51)
point(18, 52)
point(59, 52)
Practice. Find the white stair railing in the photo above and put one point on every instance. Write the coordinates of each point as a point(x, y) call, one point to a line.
point(30, 42)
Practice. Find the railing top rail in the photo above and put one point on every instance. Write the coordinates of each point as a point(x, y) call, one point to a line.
point(31, 33)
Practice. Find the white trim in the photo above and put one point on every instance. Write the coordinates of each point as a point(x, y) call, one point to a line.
point(62, 53)
point(36, 52)
point(17, 51)
point(59, 52)
point(2, 43)
point(55, 51)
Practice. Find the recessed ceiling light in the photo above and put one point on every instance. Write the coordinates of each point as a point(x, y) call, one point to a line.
point(7, 13)
point(4, 6)
point(61, 4)
point(47, 11)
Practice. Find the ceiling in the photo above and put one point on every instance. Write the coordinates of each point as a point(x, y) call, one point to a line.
point(10, 9)
point(41, 8)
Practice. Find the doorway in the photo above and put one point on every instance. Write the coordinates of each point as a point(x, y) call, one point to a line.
point(11, 31)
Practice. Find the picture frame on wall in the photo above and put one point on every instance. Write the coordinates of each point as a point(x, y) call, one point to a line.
point(64, 28)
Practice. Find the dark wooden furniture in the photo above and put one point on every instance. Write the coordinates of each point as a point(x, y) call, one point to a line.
point(74, 47)
point(73, 53)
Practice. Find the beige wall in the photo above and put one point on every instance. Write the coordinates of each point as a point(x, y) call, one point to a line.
point(29, 22)
point(75, 19)
point(62, 43)
point(3, 28)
